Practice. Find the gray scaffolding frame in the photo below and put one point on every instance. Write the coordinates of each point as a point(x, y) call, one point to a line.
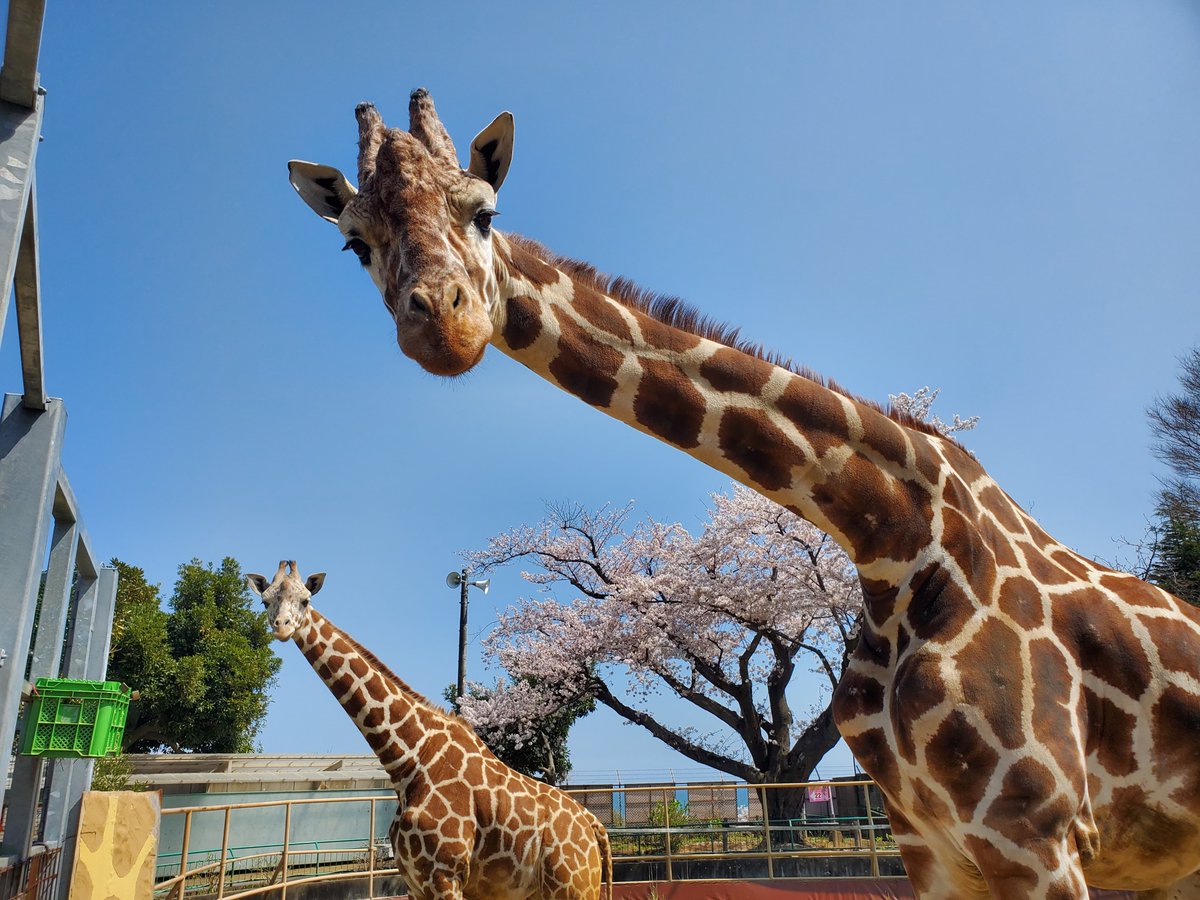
point(38, 511)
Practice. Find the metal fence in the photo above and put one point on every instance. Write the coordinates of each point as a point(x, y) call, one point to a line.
point(33, 878)
point(657, 833)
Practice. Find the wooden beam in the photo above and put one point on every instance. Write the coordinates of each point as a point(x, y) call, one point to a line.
point(27, 286)
point(22, 43)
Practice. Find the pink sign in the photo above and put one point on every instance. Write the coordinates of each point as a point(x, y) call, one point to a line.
point(822, 793)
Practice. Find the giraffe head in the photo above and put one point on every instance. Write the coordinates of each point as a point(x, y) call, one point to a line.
point(422, 227)
point(286, 597)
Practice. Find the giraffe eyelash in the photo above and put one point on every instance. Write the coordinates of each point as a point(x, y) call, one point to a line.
point(360, 248)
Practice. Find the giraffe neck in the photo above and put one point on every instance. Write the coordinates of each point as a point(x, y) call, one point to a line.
point(841, 463)
point(391, 716)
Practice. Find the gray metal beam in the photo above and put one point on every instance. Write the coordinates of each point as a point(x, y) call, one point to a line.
point(46, 662)
point(66, 509)
point(30, 448)
point(19, 130)
point(27, 283)
point(22, 43)
point(59, 779)
point(69, 778)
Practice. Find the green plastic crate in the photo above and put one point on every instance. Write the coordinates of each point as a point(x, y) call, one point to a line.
point(69, 717)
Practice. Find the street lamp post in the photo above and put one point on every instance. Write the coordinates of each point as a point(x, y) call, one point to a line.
point(459, 580)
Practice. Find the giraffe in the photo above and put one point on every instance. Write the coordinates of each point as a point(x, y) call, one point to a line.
point(466, 825)
point(1031, 717)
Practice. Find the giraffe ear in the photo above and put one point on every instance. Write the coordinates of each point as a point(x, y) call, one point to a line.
point(492, 151)
point(314, 582)
point(257, 583)
point(323, 188)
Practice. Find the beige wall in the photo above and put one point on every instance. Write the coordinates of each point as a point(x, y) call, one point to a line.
point(118, 843)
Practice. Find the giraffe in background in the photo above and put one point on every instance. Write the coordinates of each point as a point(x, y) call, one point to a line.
point(466, 824)
point(1031, 717)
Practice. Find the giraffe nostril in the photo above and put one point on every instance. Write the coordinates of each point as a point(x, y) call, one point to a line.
point(418, 305)
point(458, 297)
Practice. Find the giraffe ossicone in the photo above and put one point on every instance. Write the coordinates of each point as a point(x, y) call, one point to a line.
point(1031, 717)
point(466, 825)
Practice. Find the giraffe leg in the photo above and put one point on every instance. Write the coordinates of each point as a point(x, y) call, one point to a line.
point(935, 870)
point(442, 885)
point(1186, 889)
point(1045, 869)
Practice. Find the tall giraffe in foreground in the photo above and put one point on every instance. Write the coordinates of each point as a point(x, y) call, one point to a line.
point(1032, 718)
point(466, 824)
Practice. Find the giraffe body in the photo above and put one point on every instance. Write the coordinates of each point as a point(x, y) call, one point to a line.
point(1032, 718)
point(466, 824)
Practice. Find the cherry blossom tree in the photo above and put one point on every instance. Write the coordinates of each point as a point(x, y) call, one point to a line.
point(723, 619)
point(919, 405)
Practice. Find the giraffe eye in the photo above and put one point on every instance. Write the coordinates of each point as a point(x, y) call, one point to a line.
point(360, 248)
point(483, 220)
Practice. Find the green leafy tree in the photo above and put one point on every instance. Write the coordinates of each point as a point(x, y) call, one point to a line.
point(115, 773)
point(203, 668)
point(538, 749)
point(1176, 564)
point(1175, 421)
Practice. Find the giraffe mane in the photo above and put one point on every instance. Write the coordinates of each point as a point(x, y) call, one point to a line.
point(678, 313)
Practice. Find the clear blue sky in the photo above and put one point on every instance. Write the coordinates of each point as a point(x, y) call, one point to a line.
point(1003, 201)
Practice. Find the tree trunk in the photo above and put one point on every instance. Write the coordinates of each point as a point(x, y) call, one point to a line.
point(785, 804)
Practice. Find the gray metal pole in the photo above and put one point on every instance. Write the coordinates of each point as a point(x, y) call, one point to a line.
point(462, 635)
point(30, 446)
point(69, 778)
point(61, 772)
point(46, 662)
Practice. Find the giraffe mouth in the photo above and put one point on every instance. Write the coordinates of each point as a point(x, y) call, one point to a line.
point(446, 354)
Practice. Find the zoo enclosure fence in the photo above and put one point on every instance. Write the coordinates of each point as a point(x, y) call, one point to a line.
point(657, 833)
point(34, 877)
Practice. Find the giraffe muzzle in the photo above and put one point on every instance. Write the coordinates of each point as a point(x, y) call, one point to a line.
point(445, 328)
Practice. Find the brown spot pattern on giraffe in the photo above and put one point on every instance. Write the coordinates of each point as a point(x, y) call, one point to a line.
point(916, 689)
point(667, 404)
point(1015, 879)
point(966, 547)
point(1050, 670)
point(584, 366)
point(938, 606)
point(733, 371)
point(874, 752)
point(522, 322)
point(991, 682)
point(1000, 505)
point(884, 436)
point(904, 518)
point(1029, 807)
point(602, 312)
point(1102, 640)
point(1175, 642)
point(1110, 734)
point(530, 266)
point(816, 413)
point(1175, 728)
point(961, 761)
point(857, 695)
point(748, 439)
point(1021, 600)
point(664, 337)
point(999, 542)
